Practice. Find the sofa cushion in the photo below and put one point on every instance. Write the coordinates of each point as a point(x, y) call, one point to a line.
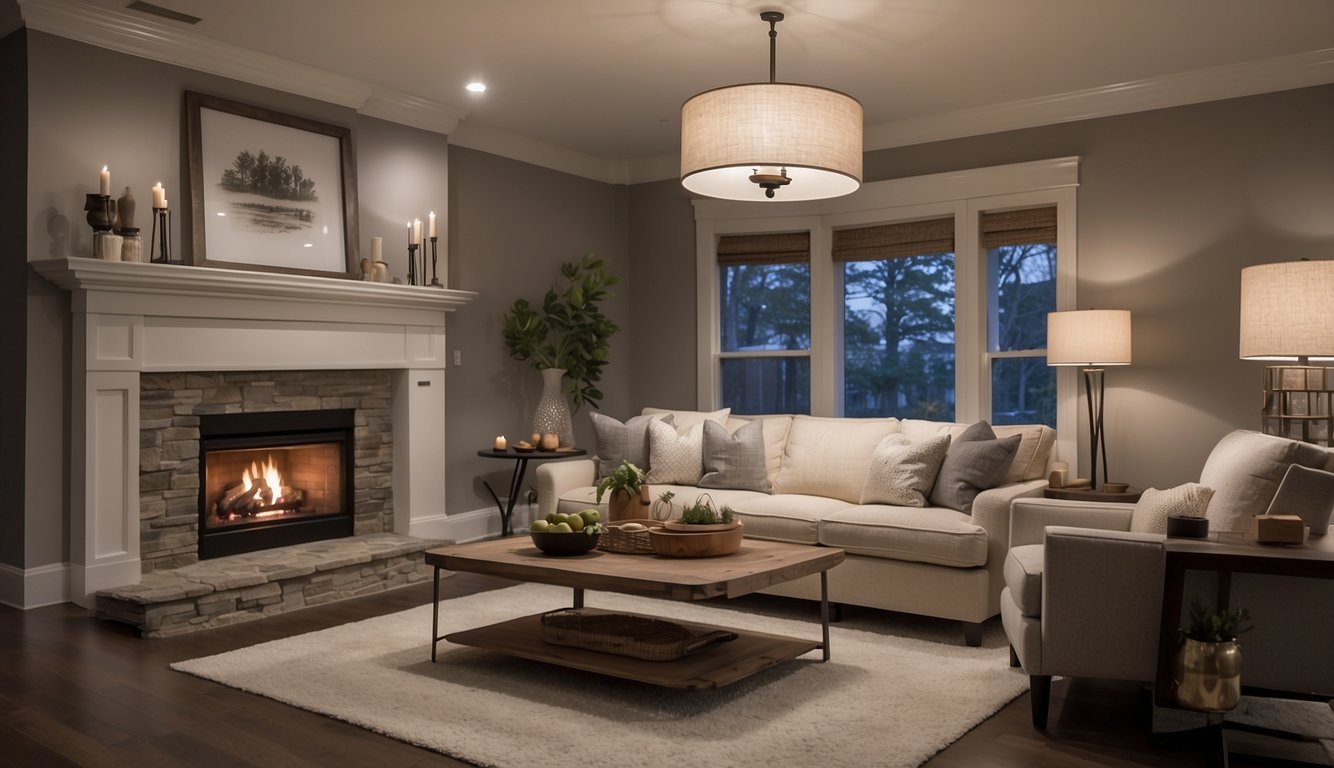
point(938, 536)
point(675, 457)
point(1155, 506)
point(1023, 575)
point(903, 470)
point(1307, 493)
point(1245, 469)
point(775, 439)
point(830, 457)
point(686, 419)
point(790, 517)
point(976, 460)
point(734, 460)
point(618, 442)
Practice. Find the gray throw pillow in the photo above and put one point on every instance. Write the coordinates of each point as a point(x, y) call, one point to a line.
point(618, 442)
point(976, 460)
point(735, 460)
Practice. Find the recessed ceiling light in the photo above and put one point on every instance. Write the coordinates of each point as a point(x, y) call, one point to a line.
point(476, 87)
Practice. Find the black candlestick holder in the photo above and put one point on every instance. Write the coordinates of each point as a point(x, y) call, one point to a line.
point(412, 263)
point(435, 281)
point(161, 248)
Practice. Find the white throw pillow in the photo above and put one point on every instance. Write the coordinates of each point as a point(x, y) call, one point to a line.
point(675, 458)
point(903, 470)
point(1155, 506)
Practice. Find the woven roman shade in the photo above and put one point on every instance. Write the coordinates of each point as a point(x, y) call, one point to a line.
point(890, 241)
point(1023, 227)
point(769, 248)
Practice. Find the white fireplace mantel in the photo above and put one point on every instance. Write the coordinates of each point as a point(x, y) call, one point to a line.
point(131, 318)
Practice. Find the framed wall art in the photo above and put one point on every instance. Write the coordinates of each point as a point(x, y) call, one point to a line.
point(269, 191)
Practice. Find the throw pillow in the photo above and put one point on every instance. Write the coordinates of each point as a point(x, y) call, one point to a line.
point(1245, 468)
point(976, 460)
point(903, 470)
point(1307, 493)
point(734, 460)
point(618, 442)
point(674, 458)
point(1155, 506)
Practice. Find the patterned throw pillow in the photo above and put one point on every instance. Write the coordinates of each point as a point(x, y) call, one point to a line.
point(1155, 506)
point(903, 470)
point(976, 460)
point(617, 442)
point(735, 460)
point(675, 458)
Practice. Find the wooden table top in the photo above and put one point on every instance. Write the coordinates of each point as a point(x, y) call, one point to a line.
point(757, 565)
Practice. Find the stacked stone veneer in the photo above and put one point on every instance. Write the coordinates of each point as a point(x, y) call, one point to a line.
point(170, 405)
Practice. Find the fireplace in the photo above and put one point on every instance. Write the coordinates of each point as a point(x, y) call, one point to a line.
point(271, 479)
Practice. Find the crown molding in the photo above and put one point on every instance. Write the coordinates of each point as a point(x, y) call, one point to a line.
point(1229, 81)
point(163, 41)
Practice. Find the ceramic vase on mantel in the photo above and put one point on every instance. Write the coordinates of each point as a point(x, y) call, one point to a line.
point(553, 412)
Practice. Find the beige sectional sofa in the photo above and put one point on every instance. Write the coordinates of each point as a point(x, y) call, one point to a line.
point(931, 560)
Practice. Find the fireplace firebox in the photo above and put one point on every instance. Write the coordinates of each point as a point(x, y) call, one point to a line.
point(275, 478)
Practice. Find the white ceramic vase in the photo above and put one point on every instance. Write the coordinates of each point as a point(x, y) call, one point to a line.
point(553, 412)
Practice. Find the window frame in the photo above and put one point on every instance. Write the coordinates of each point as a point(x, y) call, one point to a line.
point(963, 194)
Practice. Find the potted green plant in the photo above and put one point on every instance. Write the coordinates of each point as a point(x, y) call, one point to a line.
point(703, 516)
point(1207, 670)
point(629, 495)
point(568, 339)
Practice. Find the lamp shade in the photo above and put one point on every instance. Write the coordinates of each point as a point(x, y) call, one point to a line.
point(812, 134)
point(1285, 310)
point(1088, 337)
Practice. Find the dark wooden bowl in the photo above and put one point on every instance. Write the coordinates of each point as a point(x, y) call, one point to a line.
point(576, 543)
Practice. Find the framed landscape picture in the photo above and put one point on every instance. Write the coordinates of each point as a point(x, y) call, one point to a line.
point(269, 191)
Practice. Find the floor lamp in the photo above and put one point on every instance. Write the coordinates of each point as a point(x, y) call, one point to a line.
point(1285, 318)
point(1091, 339)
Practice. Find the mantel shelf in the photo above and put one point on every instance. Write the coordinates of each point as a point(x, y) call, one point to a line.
point(93, 275)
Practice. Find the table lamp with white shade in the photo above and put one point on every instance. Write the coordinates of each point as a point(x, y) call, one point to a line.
point(1285, 317)
point(1091, 339)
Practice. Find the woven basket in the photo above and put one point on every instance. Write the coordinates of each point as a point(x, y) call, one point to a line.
point(613, 539)
point(638, 637)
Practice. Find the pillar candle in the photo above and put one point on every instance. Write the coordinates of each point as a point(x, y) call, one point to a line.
point(105, 178)
point(432, 232)
point(159, 196)
point(377, 249)
point(500, 443)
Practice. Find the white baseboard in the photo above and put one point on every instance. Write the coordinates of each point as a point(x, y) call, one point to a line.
point(34, 587)
point(473, 525)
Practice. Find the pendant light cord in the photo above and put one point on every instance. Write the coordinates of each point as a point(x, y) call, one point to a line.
point(773, 17)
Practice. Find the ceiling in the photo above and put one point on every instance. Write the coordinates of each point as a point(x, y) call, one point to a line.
point(605, 79)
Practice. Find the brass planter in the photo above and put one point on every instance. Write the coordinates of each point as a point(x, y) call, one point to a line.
point(1208, 675)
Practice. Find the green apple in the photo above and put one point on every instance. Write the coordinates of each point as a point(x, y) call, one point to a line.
point(590, 516)
point(541, 525)
point(551, 517)
point(562, 528)
point(575, 522)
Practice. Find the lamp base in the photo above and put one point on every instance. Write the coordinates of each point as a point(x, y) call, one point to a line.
point(1297, 403)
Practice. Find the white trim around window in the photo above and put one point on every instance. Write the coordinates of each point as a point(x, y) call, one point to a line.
point(963, 194)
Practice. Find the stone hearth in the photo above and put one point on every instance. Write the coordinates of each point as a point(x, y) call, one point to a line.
point(229, 590)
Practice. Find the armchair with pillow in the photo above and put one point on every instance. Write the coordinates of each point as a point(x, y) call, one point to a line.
point(1084, 581)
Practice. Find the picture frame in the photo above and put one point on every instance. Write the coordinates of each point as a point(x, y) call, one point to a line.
point(270, 192)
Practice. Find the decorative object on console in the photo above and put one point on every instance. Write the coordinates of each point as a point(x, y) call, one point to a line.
point(745, 142)
point(1285, 317)
point(569, 333)
point(270, 191)
point(1207, 666)
point(1277, 529)
point(1183, 527)
point(1092, 339)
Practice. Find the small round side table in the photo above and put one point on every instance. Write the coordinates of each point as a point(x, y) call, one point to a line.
point(520, 459)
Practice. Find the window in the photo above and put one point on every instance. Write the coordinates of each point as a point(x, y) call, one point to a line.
point(923, 297)
point(765, 322)
point(898, 319)
point(1021, 290)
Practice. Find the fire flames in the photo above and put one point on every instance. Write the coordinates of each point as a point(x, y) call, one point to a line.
point(270, 491)
point(261, 493)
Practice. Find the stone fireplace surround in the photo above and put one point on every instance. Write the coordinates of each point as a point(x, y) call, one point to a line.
point(133, 319)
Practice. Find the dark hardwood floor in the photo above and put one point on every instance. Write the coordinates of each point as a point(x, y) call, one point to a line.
point(78, 691)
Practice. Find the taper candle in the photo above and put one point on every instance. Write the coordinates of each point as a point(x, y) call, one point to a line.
point(432, 232)
point(417, 231)
point(377, 249)
point(105, 178)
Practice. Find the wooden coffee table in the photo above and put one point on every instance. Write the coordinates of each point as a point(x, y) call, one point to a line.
point(757, 565)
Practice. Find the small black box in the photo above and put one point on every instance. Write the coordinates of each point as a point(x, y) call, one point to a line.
point(1182, 527)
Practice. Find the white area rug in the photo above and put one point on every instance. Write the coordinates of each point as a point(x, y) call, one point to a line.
point(882, 700)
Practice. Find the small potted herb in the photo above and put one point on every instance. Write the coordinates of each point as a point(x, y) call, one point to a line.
point(703, 516)
point(629, 494)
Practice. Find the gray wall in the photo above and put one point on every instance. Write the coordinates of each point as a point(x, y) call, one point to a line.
point(1172, 204)
point(13, 285)
point(511, 225)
